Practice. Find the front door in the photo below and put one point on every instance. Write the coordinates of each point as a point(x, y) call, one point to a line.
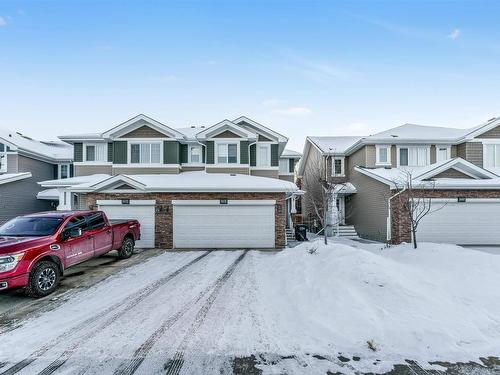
point(78, 248)
point(341, 209)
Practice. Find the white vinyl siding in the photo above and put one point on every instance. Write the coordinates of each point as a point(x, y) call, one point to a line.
point(264, 155)
point(442, 153)
point(145, 153)
point(284, 166)
point(95, 153)
point(227, 153)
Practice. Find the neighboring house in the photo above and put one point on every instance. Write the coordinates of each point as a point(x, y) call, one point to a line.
point(457, 168)
point(23, 162)
point(229, 185)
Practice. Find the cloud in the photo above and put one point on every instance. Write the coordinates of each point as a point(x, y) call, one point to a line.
point(294, 111)
point(3, 21)
point(455, 34)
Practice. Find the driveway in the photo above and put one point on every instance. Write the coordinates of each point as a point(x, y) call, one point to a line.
point(177, 313)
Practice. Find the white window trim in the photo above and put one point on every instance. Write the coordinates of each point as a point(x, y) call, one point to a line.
point(257, 158)
point(287, 173)
point(413, 146)
point(138, 165)
point(5, 166)
point(448, 151)
point(342, 167)
point(104, 162)
point(201, 155)
point(377, 155)
point(490, 142)
point(59, 170)
point(226, 141)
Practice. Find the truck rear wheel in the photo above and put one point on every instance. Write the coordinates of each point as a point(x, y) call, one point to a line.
point(127, 248)
point(43, 279)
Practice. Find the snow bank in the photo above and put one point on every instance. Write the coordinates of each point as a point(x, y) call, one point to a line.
point(439, 302)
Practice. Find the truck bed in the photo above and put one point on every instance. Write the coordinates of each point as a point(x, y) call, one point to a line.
point(119, 221)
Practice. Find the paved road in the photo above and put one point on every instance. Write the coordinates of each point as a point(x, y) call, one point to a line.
point(169, 316)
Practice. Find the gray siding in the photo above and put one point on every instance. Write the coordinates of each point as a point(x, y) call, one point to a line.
point(493, 133)
point(78, 152)
point(433, 154)
point(12, 163)
point(19, 197)
point(155, 170)
point(120, 152)
point(265, 173)
point(243, 152)
point(371, 156)
point(171, 152)
point(275, 155)
point(471, 151)
point(192, 169)
point(210, 152)
point(87, 170)
point(144, 132)
point(451, 173)
point(236, 170)
point(287, 177)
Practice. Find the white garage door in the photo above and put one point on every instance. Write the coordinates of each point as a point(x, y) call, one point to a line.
point(236, 224)
point(473, 222)
point(141, 210)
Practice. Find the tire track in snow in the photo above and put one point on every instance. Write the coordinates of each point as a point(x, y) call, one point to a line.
point(130, 366)
point(125, 304)
point(174, 365)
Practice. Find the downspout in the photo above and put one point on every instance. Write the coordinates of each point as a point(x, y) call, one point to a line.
point(389, 218)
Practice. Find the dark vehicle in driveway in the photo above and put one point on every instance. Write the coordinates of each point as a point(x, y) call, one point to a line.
point(36, 249)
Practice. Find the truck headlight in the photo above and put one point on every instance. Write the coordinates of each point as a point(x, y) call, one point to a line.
point(9, 262)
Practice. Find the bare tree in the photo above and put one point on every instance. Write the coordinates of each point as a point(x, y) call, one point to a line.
point(320, 195)
point(415, 203)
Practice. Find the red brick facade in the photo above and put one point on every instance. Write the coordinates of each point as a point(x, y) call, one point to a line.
point(164, 211)
point(400, 223)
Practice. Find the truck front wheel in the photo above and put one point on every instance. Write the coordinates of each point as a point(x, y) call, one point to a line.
point(127, 248)
point(43, 280)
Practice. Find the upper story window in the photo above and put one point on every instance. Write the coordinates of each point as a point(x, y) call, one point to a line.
point(338, 167)
point(264, 155)
point(413, 156)
point(195, 154)
point(383, 155)
point(227, 153)
point(63, 171)
point(96, 152)
point(492, 155)
point(442, 153)
point(145, 153)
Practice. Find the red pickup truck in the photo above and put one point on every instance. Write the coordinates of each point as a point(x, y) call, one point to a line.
point(36, 249)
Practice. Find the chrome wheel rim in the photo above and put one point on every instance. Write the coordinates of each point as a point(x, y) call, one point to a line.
point(47, 279)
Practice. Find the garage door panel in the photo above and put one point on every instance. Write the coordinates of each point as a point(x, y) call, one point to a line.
point(466, 223)
point(230, 226)
point(142, 213)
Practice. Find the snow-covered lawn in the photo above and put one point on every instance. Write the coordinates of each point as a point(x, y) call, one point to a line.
point(296, 311)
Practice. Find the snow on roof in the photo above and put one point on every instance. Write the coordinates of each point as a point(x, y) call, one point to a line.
point(49, 194)
point(11, 177)
point(63, 182)
point(290, 154)
point(418, 132)
point(334, 145)
point(199, 181)
point(191, 132)
point(52, 150)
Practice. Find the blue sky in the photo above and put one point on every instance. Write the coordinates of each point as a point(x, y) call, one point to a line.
point(301, 67)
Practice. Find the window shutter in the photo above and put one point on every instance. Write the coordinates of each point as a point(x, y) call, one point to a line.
point(243, 152)
point(184, 153)
point(253, 155)
point(1, 147)
point(274, 155)
point(110, 152)
point(170, 152)
point(210, 152)
point(291, 165)
point(56, 171)
point(71, 170)
point(120, 152)
point(78, 152)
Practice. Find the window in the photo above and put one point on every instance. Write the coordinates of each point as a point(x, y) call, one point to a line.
point(492, 156)
point(195, 154)
point(96, 221)
point(264, 155)
point(284, 166)
point(413, 156)
point(227, 153)
point(96, 153)
point(25, 226)
point(63, 171)
point(145, 153)
point(76, 222)
point(442, 153)
point(383, 155)
point(338, 167)
point(3, 162)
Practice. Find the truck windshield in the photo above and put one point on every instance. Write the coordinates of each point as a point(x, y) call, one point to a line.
point(30, 226)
